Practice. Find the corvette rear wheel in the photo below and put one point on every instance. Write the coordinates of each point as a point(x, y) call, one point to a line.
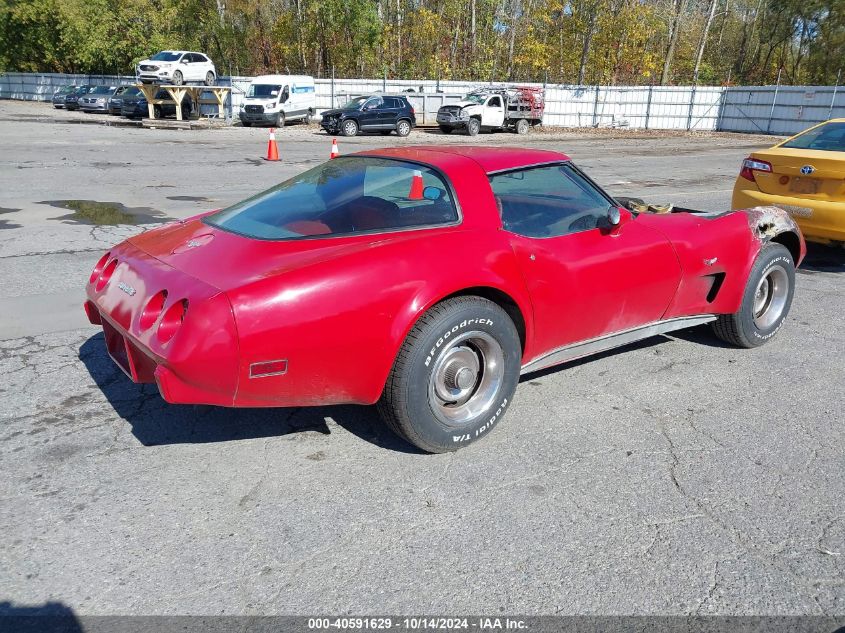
point(766, 301)
point(454, 377)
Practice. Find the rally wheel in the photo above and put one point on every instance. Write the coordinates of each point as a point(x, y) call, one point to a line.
point(765, 302)
point(455, 375)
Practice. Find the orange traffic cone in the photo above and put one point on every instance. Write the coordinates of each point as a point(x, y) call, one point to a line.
point(272, 148)
point(335, 152)
point(416, 192)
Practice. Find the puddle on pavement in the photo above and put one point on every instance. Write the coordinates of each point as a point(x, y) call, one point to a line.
point(190, 198)
point(105, 213)
point(8, 224)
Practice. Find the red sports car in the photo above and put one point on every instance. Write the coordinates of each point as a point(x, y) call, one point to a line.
point(427, 279)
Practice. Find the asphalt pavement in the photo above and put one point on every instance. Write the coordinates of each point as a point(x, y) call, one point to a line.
point(675, 476)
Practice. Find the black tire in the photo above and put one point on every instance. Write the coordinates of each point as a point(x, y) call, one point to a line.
point(385, 132)
point(349, 127)
point(473, 127)
point(210, 79)
point(446, 339)
point(446, 129)
point(186, 112)
point(177, 79)
point(157, 111)
point(522, 126)
point(280, 119)
point(403, 127)
point(765, 302)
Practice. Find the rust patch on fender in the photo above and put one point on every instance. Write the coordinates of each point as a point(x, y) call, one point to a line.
point(767, 222)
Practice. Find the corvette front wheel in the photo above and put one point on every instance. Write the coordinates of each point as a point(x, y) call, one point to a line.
point(455, 375)
point(765, 302)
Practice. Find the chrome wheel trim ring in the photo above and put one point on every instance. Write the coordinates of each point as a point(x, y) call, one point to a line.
point(466, 378)
point(770, 297)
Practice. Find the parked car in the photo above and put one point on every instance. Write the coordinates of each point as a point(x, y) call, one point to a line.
point(177, 67)
point(137, 107)
point(276, 99)
point(60, 94)
point(123, 92)
point(375, 113)
point(427, 280)
point(72, 98)
point(804, 176)
point(97, 99)
point(489, 109)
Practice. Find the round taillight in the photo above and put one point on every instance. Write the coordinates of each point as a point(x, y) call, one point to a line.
point(152, 310)
point(108, 271)
point(98, 268)
point(172, 320)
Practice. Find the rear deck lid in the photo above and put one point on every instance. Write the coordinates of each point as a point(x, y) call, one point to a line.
point(804, 173)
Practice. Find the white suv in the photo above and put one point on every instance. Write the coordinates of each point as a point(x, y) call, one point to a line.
point(177, 68)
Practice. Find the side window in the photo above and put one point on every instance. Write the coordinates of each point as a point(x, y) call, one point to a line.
point(495, 102)
point(373, 103)
point(187, 57)
point(200, 58)
point(548, 201)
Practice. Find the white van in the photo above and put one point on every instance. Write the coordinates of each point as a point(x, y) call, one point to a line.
point(276, 99)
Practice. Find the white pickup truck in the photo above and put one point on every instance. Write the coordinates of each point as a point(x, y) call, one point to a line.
point(515, 109)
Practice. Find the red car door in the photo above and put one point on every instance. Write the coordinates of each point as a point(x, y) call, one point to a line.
point(586, 278)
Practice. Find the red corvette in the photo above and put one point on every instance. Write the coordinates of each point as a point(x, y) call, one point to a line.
point(427, 279)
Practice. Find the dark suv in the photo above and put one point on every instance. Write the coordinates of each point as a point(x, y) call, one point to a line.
point(376, 113)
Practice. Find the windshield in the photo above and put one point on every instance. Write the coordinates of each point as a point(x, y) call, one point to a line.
point(476, 98)
point(130, 92)
point(345, 196)
point(355, 104)
point(66, 89)
point(828, 137)
point(263, 91)
point(101, 90)
point(166, 56)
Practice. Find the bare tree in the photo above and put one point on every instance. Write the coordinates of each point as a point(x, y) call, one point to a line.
point(674, 30)
point(588, 40)
point(702, 42)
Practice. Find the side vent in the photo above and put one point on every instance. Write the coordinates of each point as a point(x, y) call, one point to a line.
point(718, 280)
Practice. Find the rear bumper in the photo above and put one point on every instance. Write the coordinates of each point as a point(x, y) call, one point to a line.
point(198, 364)
point(819, 220)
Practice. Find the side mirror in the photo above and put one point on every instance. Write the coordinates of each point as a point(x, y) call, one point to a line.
point(432, 193)
point(614, 216)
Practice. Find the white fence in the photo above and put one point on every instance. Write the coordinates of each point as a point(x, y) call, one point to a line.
point(740, 109)
point(784, 110)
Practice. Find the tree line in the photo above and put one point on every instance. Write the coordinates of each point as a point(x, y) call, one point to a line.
point(555, 41)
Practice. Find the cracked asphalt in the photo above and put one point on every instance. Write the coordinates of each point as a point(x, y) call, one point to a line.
point(675, 476)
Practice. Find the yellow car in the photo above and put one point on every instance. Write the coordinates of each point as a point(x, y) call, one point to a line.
point(805, 175)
